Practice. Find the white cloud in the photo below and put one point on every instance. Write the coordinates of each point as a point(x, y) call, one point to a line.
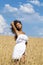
point(27, 8)
point(36, 2)
point(4, 27)
point(33, 18)
point(36, 17)
point(2, 20)
point(9, 8)
point(25, 12)
point(2, 24)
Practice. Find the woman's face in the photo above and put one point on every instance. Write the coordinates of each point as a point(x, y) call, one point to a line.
point(19, 26)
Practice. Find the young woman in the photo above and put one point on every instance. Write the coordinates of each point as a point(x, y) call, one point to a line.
point(21, 42)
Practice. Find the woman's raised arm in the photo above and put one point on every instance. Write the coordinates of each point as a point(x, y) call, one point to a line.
point(14, 28)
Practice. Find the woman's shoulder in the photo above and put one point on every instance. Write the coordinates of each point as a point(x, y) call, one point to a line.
point(23, 32)
point(19, 35)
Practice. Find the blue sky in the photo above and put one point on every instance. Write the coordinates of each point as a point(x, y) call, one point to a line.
point(29, 12)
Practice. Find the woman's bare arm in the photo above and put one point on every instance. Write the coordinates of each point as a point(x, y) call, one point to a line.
point(14, 28)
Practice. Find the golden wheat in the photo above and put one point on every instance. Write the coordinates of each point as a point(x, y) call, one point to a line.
point(34, 51)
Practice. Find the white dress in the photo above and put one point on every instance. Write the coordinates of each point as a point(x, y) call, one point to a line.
point(20, 46)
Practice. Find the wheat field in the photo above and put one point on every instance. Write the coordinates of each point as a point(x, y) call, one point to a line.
point(34, 51)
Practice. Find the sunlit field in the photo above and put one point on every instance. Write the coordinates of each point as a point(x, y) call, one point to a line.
point(34, 51)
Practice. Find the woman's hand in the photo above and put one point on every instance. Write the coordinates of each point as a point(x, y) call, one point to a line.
point(12, 23)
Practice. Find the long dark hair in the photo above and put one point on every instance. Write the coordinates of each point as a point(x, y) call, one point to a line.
point(15, 22)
